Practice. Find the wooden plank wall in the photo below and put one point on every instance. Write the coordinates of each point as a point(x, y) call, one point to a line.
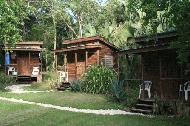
point(92, 57)
point(151, 71)
point(162, 69)
point(23, 64)
point(108, 51)
point(71, 65)
point(76, 68)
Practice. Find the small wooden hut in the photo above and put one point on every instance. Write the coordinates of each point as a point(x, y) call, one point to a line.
point(77, 55)
point(159, 64)
point(24, 60)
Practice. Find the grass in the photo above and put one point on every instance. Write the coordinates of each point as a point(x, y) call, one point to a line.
point(45, 84)
point(38, 87)
point(30, 115)
point(67, 98)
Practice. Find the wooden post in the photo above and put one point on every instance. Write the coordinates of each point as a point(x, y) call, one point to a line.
point(55, 62)
point(76, 65)
point(142, 77)
point(86, 60)
point(41, 63)
point(98, 57)
point(118, 56)
point(142, 69)
point(181, 81)
point(29, 58)
point(29, 63)
point(65, 62)
point(46, 61)
point(160, 82)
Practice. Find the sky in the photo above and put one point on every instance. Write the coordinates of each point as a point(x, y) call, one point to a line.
point(102, 1)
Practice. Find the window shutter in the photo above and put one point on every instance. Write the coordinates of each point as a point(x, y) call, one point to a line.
point(108, 61)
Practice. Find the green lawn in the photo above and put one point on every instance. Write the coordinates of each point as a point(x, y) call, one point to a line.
point(31, 115)
point(67, 99)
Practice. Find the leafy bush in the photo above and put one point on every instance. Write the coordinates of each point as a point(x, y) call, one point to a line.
point(132, 88)
point(52, 83)
point(171, 107)
point(98, 80)
point(5, 81)
point(49, 81)
point(76, 86)
point(118, 91)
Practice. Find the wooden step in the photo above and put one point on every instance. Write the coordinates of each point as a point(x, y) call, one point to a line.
point(141, 111)
point(144, 105)
point(147, 100)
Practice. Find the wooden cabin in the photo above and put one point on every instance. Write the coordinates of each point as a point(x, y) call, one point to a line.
point(159, 65)
point(78, 54)
point(24, 60)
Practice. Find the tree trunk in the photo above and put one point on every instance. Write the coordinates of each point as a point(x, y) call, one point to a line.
point(54, 42)
point(80, 26)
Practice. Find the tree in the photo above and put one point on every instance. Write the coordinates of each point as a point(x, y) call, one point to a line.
point(166, 15)
point(12, 15)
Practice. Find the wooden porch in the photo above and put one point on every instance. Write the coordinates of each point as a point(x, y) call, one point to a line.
point(76, 62)
point(24, 61)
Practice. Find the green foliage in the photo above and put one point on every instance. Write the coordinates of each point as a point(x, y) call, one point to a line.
point(169, 107)
point(132, 89)
point(76, 85)
point(118, 91)
point(98, 80)
point(12, 15)
point(129, 67)
point(165, 15)
point(50, 79)
point(5, 81)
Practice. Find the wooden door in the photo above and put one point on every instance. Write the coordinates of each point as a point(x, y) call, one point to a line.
point(23, 65)
point(80, 64)
point(80, 69)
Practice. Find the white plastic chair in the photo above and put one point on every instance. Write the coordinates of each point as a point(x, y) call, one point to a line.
point(146, 85)
point(10, 69)
point(186, 89)
point(35, 71)
point(63, 76)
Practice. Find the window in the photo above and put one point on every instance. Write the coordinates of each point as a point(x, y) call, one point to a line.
point(107, 61)
point(81, 57)
point(71, 58)
point(13, 58)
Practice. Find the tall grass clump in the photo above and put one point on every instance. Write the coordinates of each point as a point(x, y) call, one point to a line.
point(49, 81)
point(5, 81)
point(98, 80)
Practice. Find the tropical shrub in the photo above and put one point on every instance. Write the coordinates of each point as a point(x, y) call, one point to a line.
point(132, 88)
point(50, 79)
point(98, 80)
point(171, 107)
point(118, 91)
point(5, 80)
point(76, 86)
